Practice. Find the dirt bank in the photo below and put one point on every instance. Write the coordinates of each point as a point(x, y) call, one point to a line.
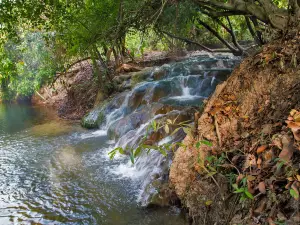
point(72, 94)
point(254, 152)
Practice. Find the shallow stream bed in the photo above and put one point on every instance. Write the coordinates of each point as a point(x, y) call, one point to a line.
point(54, 172)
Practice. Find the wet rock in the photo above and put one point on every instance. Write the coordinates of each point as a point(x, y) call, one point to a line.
point(129, 122)
point(140, 76)
point(159, 74)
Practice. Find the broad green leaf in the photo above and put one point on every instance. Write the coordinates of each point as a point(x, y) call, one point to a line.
point(294, 194)
point(235, 186)
point(248, 194)
point(208, 143)
point(137, 152)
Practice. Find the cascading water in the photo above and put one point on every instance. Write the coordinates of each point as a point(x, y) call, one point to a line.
point(55, 172)
point(164, 92)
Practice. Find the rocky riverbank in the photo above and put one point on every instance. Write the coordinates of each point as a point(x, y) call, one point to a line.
point(250, 173)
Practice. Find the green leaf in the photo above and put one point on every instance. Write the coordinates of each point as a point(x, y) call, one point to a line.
point(206, 143)
point(137, 152)
point(294, 194)
point(198, 144)
point(248, 194)
point(131, 156)
point(208, 203)
point(240, 190)
point(235, 186)
point(186, 130)
point(175, 131)
point(162, 151)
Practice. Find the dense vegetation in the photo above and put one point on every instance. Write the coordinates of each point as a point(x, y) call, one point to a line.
point(39, 38)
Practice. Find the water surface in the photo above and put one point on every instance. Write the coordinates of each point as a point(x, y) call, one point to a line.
point(54, 172)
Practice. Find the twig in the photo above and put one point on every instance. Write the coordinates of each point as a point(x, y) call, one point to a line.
point(217, 130)
point(40, 95)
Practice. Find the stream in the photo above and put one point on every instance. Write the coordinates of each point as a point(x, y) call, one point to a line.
point(56, 172)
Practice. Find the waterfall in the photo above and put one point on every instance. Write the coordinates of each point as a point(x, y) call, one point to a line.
point(168, 91)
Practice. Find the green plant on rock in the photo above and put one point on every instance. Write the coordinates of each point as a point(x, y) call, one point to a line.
point(154, 127)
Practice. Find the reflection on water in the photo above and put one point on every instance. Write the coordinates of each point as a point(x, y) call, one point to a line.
point(52, 172)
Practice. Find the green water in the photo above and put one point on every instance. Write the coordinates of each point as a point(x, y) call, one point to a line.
point(54, 172)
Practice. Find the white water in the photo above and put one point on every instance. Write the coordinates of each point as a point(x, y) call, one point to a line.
point(182, 83)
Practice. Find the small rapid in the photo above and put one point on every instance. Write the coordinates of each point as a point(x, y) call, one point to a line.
point(55, 172)
point(167, 92)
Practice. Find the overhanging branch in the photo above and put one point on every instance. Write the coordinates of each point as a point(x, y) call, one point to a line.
point(186, 40)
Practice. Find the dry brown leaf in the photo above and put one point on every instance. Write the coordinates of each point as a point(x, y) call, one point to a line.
point(214, 111)
point(293, 125)
point(262, 187)
point(297, 117)
point(228, 108)
point(261, 149)
point(268, 155)
point(277, 142)
point(259, 162)
point(250, 161)
point(271, 222)
point(251, 178)
point(267, 128)
point(287, 149)
point(293, 112)
point(289, 184)
point(261, 207)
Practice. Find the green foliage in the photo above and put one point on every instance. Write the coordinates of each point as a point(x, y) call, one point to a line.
point(154, 126)
point(243, 190)
point(25, 65)
point(81, 28)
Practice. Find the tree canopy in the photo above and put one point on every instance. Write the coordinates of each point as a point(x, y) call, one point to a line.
point(64, 31)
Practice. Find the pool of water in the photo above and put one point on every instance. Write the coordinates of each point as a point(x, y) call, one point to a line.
point(55, 172)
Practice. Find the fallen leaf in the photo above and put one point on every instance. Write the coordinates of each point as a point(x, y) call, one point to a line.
point(267, 129)
point(271, 222)
point(288, 186)
point(261, 149)
point(297, 117)
point(250, 161)
point(251, 178)
point(277, 142)
point(261, 207)
point(293, 112)
point(262, 187)
point(214, 111)
point(228, 108)
point(268, 155)
point(208, 203)
point(287, 149)
point(295, 127)
point(259, 162)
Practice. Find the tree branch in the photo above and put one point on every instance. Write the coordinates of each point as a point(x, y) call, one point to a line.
point(217, 35)
point(252, 32)
point(193, 42)
point(267, 12)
